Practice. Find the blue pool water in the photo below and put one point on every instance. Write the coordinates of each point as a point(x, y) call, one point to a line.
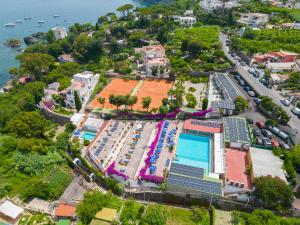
point(88, 136)
point(194, 151)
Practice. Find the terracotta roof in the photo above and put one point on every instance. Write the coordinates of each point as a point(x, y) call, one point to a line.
point(202, 126)
point(64, 210)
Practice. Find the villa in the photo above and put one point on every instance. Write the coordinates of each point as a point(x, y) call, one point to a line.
point(155, 62)
point(66, 58)
point(82, 83)
point(253, 19)
point(60, 32)
point(188, 19)
point(199, 162)
point(281, 57)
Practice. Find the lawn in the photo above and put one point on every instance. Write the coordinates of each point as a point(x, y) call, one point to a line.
point(35, 219)
point(179, 216)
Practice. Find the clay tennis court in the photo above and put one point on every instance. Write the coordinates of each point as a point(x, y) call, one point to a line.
point(156, 89)
point(115, 87)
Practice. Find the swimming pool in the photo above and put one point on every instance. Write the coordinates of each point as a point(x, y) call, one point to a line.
point(193, 150)
point(88, 136)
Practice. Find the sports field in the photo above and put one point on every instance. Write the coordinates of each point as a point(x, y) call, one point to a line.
point(115, 87)
point(156, 89)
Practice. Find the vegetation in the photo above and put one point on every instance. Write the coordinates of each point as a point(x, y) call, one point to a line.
point(240, 104)
point(274, 193)
point(260, 216)
point(146, 101)
point(132, 212)
point(191, 100)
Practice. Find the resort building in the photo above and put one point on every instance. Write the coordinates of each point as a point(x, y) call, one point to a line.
point(187, 21)
point(253, 19)
point(82, 83)
point(199, 161)
point(265, 163)
point(154, 60)
point(236, 133)
point(60, 32)
point(281, 57)
point(278, 67)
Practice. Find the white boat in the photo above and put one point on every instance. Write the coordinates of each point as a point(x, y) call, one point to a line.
point(10, 25)
point(27, 18)
point(41, 21)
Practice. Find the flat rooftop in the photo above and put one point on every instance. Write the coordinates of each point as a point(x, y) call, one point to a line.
point(264, 163)
point(236, 167)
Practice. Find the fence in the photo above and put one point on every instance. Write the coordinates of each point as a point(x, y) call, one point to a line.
point(183, 199)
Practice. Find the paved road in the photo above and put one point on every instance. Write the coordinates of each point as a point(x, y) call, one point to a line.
point(259, 87)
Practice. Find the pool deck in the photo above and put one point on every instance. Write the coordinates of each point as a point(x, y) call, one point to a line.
point(141, 146)
point(165, 153)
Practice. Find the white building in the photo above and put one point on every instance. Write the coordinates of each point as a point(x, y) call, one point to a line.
point(154, 60)
point(187, 21)
point(60, 32)
point(279, 67)
point(82, 83)
point(253, 19)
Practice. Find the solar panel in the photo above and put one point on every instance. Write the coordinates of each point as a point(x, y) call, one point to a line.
point(185, 170)
point(226, 86)
point(194, 184)
point(236, 129)
point(206, 123)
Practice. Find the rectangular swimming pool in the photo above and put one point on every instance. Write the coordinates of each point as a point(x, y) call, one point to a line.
point(193, 150)
point(88, 136)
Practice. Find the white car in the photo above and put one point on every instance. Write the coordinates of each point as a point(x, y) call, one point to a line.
point(266, 141)
point(251, 93)
point(296, 111)
point(285, 102)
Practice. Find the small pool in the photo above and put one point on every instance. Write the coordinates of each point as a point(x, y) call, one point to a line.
point(193, 150)
point(88, 136)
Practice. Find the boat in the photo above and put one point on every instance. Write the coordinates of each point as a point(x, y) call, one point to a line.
point(27, 18)
point(41, 21)
point(55, 16)
point(19, 21)
point(10, 25)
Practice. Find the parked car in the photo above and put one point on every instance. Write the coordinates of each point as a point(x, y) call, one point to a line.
point(250, 70)
point(256, 75)
point(251, 93)
point(242, 82)
point(296, 111)
point(259, 141)
point(274, 143)
point(256, 132)
point(285, 102)
point(283, 135)
point(243, 63)
point(247, 88)
point(237, 77)
point(257, 100)
point(267, 141)
point(274, 130)
point(260, 124)
point(284, 146)
point(266, 133)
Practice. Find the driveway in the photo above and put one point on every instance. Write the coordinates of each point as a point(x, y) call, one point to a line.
point(259, 87)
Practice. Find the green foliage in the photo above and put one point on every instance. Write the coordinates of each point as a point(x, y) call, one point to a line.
point(155, 215)
point(93, 202)
point(78, 104)
point(240, 104)
point(131, 213)
point(266, 40)
point(261, 216)
point(86, 142)
point(191, 100)
point(35, 64)
point(27, 124)
point(204, 104)
point(273, 192)
point(201, 215)
point(146, 101)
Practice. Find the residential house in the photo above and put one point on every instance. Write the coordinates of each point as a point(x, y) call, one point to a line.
point(66, 58)
point(154, 60)
point(60, 32)
point(10, 213)
point(281, 67)
point(65, 211)
point(281, 56)
point(253, 19)
point(82, 83)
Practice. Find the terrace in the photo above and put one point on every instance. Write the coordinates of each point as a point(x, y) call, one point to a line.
point(132, 152)
point(108, 144)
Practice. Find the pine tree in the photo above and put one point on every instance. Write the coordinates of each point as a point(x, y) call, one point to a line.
point(78, 104)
